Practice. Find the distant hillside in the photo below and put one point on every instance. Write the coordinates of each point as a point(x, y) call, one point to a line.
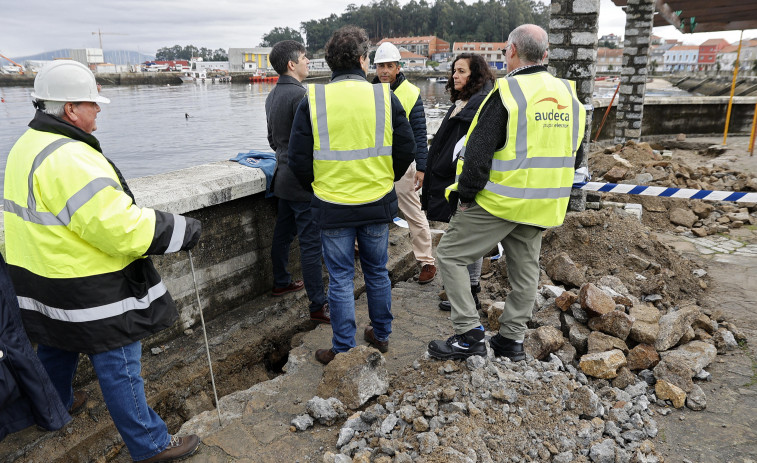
point(111, 56)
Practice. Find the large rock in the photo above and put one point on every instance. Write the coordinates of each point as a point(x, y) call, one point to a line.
point(724, 341)
point(325, 411)
point(683, 217)
point(600, 342)
point(548, 315)
point(355, 376)
point(645, 327)
point(578, 336)
point(585, 402)
point(674, 373)
point(543, 341)
point(674, 325)
point(616, 174)
point(493, 313)
point(643, 357)
point(603, 364)
point(695, 356)
point(595, 301)
point(668, 391)
point(562, 269)
point(615, 323)
point(565, 299)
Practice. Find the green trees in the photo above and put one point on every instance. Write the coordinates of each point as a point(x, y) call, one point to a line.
point(277, 34)
point(190, 51)
point(450, 20)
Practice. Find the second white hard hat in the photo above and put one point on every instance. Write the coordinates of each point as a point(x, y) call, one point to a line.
point(66, 80)
point(387, 53)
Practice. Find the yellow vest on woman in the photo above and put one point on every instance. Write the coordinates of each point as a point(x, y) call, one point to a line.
point(532, 175)
point(352, 141)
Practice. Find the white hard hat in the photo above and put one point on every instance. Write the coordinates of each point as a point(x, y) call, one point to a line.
point(386, 53)
point(66, 80)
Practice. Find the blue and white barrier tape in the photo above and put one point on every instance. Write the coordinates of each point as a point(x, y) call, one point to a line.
point(707, 195)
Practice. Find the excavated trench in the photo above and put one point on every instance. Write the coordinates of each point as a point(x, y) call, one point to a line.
point(248, 346)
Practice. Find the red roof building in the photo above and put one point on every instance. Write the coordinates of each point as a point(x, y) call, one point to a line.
point(426, 45)
point(708, 53)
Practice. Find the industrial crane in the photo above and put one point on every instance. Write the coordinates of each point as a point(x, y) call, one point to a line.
point(20, 68)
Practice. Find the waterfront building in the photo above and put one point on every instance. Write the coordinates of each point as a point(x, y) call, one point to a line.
point(611, 41)
point(657, 55)
point(89, 57)
point(682, 58)
point(427, 45)
point(609, 60)
point(412, 61)
point(747, 60)
point(318, 64)
point(249, 59)
point(708, 53)
point(492, 52)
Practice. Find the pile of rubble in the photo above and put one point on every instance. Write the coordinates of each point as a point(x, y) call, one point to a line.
point(642, 164)
point(620, 333)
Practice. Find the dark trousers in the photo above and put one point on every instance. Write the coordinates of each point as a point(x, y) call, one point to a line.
point(294, 218)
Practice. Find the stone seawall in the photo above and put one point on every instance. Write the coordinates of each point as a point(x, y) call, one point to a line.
point(692, 116)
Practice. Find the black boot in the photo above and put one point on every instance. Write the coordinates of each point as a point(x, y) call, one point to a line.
point(504, 347)
point(459, 346)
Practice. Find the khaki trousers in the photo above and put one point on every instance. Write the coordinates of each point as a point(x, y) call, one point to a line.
point(410, 205)
point(473, 233)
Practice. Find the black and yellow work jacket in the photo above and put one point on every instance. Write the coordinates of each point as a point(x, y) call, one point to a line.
point(76, 242)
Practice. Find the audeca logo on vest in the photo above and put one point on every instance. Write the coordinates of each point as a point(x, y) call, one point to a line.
point(552, 115)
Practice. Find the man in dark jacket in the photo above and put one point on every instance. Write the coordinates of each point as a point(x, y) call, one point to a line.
point(388, 71)
point(350, 142)
point(294, 217)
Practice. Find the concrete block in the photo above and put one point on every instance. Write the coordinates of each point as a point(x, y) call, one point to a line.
point(632, 32)
point(556, 39)
point(560, 23)
point(561, 54)
point(586, 54)
point(586, 6)
point(584, 38)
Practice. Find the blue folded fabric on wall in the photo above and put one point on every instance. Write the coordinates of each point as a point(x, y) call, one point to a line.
point(264, 160)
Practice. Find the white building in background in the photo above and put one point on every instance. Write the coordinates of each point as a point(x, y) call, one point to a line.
point(197, 64)
point(609, 59)
point(682, 58)
point(33, 66)
point(249, 59)
point(318, 64)
point(89, 57)
point(727, 56)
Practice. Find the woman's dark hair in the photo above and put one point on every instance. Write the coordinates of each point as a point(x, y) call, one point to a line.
point(345, 47)
point(480, 74)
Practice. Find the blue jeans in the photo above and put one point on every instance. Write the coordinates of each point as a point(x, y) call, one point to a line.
point(294, 218)
point(339, 254)
point(118, 371)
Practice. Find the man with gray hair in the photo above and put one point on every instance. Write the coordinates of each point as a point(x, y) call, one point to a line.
point(76, 244)
point(514, 177)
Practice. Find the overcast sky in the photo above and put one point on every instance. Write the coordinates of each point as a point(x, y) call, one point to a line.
point(33, 26)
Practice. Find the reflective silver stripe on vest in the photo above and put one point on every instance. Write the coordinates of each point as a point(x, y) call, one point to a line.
point(326, 154)
point(102, 312)
point(378, 97)
point(31, 203)
point(528, 193)
point(321, 117)
point(352, 155)
point(81, 197)
point(521, 136)
point(533, 163)
point(177, 236)
point(28, 215)
point(576, 105)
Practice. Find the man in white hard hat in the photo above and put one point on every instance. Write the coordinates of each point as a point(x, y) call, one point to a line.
point(388, 71)
point(76, 245)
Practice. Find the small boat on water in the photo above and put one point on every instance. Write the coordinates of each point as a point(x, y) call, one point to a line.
point(441, 80)
point(432, 79)
point(262, 76)
point(193, 76)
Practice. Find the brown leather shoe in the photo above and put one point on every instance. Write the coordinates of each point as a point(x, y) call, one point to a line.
point(325, 356)
point(292, 287)
point(370, 338)
point(80, 399)
point(321, 315)
point(428, 272)
point(178, 449)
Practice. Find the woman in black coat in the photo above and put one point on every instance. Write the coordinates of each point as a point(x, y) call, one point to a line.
point(470, 82)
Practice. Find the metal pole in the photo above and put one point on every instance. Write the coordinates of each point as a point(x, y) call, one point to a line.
point(205, 335)
point(604, 118)
point(733, 88)
point(751, 138)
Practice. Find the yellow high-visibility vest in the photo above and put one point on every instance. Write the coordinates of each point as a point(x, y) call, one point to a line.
point(352, 141)
point(532, 175)
point(53, 184)
point(408, 94)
